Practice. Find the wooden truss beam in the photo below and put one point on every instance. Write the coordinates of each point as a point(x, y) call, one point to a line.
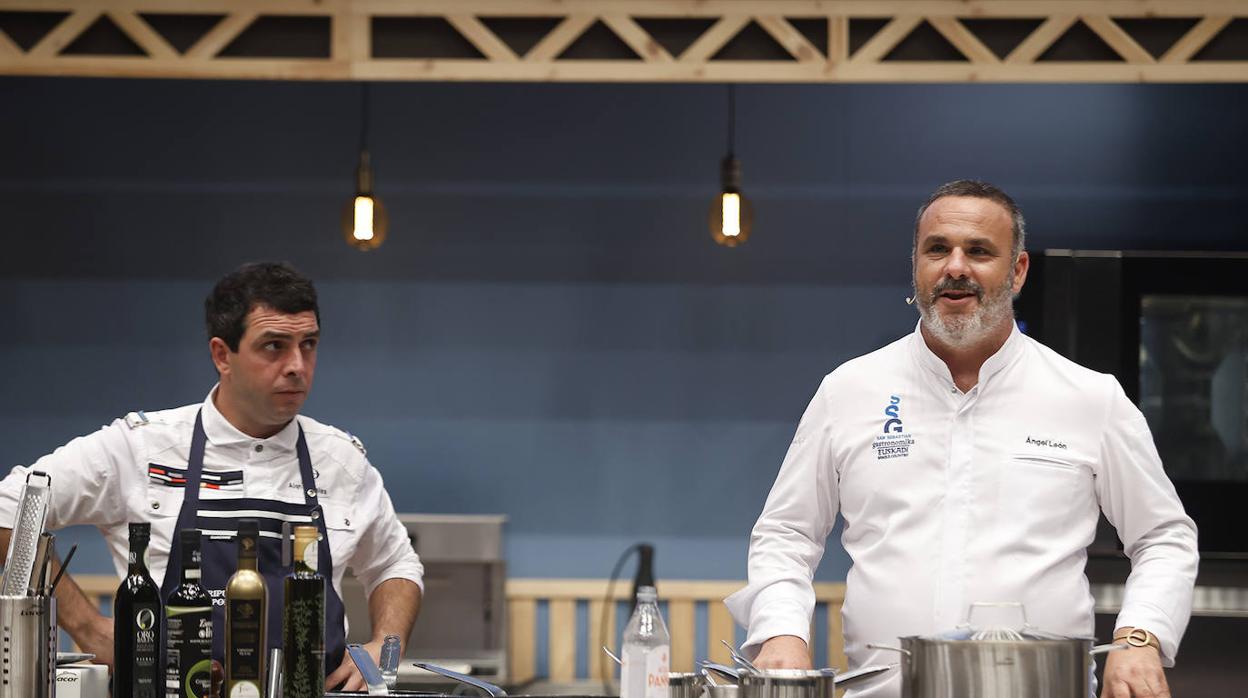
point(830, 52)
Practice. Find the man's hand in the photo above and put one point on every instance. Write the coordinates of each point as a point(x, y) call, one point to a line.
point(783, 652)
point(96, 636)
point(349, 673)
point(1134, 673)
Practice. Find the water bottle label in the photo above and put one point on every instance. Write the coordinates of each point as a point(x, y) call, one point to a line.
point(645, 672)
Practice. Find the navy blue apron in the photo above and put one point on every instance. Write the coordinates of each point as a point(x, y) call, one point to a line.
point(218, 519)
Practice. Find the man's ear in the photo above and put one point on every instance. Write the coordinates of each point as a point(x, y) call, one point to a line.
point(220, 352)
point(1020, 271)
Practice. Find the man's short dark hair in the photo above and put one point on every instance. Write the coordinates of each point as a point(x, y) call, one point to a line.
point(272, 284)
point(979, 190)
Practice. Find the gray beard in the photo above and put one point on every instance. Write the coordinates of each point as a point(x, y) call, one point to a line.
point(960, 331)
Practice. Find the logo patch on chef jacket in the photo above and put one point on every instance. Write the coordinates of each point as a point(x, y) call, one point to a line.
point(208, 479)
point(892, 441)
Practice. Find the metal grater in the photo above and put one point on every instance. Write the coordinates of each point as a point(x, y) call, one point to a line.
point(27, 527)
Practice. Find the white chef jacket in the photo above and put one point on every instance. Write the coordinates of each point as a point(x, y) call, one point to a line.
point(950, 498)
point(128, 471)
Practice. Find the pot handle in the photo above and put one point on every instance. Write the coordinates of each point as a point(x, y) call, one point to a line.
point(725, 671)
point(1111, 647)
point(486, 687)
point(874, 646)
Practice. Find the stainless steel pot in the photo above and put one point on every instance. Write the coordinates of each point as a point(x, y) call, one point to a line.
point(684, 684)
point(787, 683)
point(1024, 663)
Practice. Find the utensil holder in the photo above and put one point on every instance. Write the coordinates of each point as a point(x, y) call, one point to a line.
point(27, 646)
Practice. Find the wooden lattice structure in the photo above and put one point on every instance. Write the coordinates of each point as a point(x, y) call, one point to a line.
point(632, 40)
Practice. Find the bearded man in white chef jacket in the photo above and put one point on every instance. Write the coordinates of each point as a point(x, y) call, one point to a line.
point(969, 462)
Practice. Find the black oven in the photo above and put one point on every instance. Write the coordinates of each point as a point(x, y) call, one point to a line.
point(1173, 328)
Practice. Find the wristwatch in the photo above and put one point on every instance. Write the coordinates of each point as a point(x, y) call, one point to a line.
point(1137, 637)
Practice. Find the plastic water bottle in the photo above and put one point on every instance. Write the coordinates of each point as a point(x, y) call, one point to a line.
point(646, 651)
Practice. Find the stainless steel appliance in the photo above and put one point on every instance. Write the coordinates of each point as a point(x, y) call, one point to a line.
point(27, 646)
point(465, 629)
point(1173, 329)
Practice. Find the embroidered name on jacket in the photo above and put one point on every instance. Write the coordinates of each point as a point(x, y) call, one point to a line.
point(1050, 443)
point(209, 480)
point(893, 441)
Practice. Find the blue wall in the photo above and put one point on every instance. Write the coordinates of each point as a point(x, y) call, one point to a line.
point(549, 332)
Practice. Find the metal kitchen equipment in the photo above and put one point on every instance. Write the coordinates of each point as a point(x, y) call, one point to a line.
point(27, 646)
point(27, 528)
point(956, 665)
point(787, 683)
point(464, 569)
point(684, 684)
point(825, 681)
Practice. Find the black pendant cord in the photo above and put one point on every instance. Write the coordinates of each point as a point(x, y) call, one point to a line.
point(732, 120)
point(364, 95)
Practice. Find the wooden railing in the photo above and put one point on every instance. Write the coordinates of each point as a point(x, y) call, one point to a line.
point(564, 602)
point(562, 597)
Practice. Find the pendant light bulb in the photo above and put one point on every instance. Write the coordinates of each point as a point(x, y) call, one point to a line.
point(364, 219)
point(731, 216)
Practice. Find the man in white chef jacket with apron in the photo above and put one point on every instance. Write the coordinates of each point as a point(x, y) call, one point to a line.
point(245, 452)
point(969, 463)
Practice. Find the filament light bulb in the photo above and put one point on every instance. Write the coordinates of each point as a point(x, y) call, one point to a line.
point(363, 229)
point(731, 216)
point(364, 219)
point(730, 213)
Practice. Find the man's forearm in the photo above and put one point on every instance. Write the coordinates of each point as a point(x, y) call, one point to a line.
point(393, 607)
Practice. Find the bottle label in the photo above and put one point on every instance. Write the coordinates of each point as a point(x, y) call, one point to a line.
point(245, 640)
point(311, 553)
point(145, 627)
point(245, 689)
point(188, 651)
point(303, 625)
point(645, 672)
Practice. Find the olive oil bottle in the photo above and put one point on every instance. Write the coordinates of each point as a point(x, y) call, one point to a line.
point(136, 625)
point(246, 613)
point(188, 628)
point(303, 621)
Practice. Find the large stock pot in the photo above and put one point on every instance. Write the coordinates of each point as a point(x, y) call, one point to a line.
point(995, 662)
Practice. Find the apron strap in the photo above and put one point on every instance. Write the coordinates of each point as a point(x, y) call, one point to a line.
point(188, 514)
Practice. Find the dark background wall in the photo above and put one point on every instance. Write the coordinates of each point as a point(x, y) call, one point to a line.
point(550, 332)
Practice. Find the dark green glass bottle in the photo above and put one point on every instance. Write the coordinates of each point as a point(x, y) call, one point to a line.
point(188, 628)
point(303, 621)
point(137, 616)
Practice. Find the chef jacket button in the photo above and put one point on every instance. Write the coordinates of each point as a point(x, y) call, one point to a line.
point(259, 448)
point(311, 492)
point(155, 505)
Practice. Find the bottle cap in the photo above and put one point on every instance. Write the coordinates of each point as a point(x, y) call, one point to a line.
point(140, 531)
point(190, 537)
point(647, 594)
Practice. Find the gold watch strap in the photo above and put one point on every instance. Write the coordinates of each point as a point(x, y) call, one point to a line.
point(1137, 637)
